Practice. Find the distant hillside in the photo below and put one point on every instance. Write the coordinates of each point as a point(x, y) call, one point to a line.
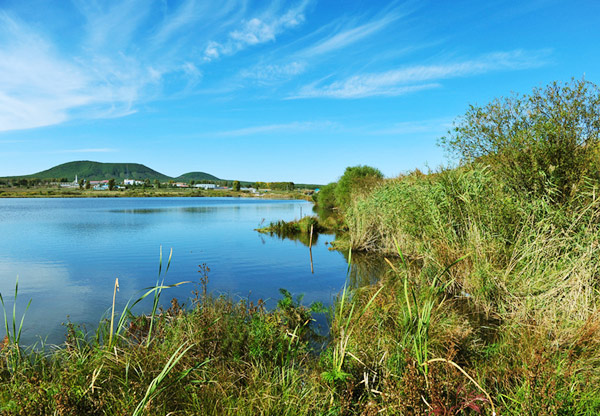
point(86, 169)
point(196, 176)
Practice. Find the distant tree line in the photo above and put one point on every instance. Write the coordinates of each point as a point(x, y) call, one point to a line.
point(28, 182)
point(279, 186)
point(147, 183)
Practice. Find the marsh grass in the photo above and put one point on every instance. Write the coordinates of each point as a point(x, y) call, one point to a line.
point(528, 274)
point(12, 340)
point(217, 357)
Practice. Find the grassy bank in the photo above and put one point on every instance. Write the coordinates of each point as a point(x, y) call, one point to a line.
point(215, 357)
point(519, 312)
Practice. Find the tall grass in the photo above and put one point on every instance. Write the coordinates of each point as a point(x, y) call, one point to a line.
point(531, 273)
point(219, 357)
point(13, 339)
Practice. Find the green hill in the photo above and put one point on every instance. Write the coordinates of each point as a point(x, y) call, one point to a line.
point(93, 171)
point(86, 169)
point(97, 171)
point(196, 176)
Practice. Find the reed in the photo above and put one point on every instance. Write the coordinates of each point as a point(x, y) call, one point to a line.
point(343, 326)
point(14, 338)
point(153, 389)
point(158, 292)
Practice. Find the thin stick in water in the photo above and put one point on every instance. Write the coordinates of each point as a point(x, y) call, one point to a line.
point(312, 269)
point(112, 314)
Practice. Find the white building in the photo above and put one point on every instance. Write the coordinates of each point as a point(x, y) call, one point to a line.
point(205, 185)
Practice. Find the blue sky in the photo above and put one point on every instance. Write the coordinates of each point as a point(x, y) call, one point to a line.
point(294, 90)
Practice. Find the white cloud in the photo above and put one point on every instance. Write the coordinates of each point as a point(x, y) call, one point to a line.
point(356, 87)
point(100, 150)
point(420, 77)
point(414, 127)
point(256, 31)
point(272, 72)
point(191, 69)
point(112, 25)
point(293, 127)
point(212, 50)
point(36, 88)
point(349, 37)
point(40, 85)
point(181, 18)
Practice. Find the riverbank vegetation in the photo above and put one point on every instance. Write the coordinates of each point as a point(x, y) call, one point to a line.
point(521, 217)
point(489, 302)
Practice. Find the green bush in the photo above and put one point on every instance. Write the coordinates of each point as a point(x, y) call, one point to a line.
point(326, 196)
point(355, 180)
point(544, 143)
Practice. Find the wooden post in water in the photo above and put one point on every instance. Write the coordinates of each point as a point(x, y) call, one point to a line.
point(312, 269)
point(112, 314)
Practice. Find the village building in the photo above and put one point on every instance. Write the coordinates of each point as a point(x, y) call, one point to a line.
point(205, 185)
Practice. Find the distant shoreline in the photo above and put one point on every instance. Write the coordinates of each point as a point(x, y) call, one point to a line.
point(148, 193)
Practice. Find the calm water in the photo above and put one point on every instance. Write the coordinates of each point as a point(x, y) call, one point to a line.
point(67, 253)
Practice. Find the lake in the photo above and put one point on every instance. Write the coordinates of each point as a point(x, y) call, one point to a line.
point(68, 252)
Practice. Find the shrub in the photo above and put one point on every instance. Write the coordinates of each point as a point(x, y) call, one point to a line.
point(540, 144)
point(326, 196)
point(355, 180)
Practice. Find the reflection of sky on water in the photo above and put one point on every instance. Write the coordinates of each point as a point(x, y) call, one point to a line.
point(67, 253)
point(48, 286)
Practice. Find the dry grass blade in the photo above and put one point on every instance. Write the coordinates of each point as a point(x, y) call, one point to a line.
point(112, 314)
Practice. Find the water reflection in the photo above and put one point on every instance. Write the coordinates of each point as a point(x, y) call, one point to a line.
point(366, 269)
point(189, 210)
point(67, 253)
point(303, 238)
point(47, 285)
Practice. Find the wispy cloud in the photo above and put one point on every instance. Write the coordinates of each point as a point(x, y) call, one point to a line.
point(413, 127)
point(271, 72)
point(36, 88)
point(125, 52)
point(176, 20)
point(255, 31)
point(96, 150)
point(359, 87)
point(420, 77)
point(112, 25)
point(348, 37)
point(293, 127)
point(323, 44)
